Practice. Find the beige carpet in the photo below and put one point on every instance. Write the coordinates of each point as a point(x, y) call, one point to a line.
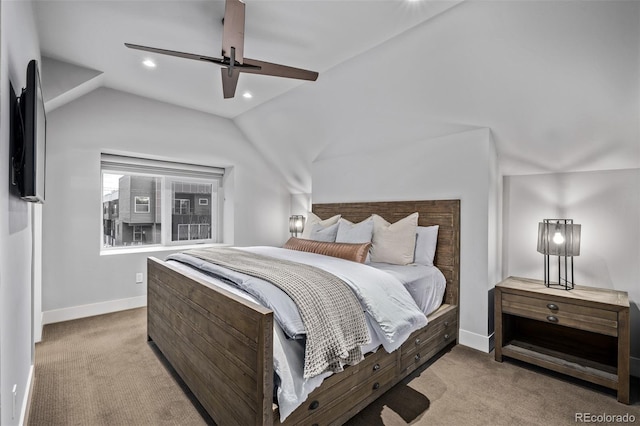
point(102, 371)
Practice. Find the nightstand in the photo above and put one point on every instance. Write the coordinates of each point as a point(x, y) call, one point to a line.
point(582, 332)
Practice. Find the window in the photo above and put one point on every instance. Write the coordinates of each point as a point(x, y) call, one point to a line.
point(181, 206)
point(159, 203)
point(137, 233)
point(142, 205)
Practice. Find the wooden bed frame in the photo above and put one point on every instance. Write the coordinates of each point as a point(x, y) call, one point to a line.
point(222, 345)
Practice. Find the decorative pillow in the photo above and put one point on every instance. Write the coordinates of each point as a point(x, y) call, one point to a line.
point(354, 252)
point(394, 243)
point(312, 219)
point(321, 233)
point(426, 241)
point(354, 232)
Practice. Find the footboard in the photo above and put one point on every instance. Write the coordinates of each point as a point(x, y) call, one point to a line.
point(220, 344)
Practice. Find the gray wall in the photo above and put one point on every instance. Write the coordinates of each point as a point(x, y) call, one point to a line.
point(461, 166)
point(19, 45)
point(606, 204)
point(75, 273)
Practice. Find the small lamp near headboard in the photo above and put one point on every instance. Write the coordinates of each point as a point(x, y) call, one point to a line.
point(559, 237)
point(296, 224)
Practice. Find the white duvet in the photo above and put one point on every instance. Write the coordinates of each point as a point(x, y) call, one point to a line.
point(391, 312)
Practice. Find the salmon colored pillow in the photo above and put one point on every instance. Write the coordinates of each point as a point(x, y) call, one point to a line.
point(354, 252)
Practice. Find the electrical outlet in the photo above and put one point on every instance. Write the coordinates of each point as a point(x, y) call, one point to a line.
point(139, 278)
point(13, 399)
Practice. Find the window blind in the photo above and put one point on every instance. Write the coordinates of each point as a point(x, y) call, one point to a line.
point(125, 164)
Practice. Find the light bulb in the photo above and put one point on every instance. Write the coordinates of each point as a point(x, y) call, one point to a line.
point(558, 238)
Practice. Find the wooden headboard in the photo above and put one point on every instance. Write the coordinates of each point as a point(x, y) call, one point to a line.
point(445, 213)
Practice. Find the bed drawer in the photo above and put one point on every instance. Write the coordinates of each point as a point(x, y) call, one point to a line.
point(367, 391)
point(424, 343)
point(379, 367)
point(562, 313)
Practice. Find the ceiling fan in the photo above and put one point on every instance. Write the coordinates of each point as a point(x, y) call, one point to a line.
point(233, 61)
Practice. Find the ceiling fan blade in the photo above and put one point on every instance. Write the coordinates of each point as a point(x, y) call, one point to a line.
point(176, 53)
point(277, 70)
point(233, 29)
point(229, 82)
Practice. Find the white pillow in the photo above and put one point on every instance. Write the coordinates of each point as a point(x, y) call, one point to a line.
point(355, 233)
point(394, 243)
point(426, 241)
point(322, 233)
point(312, 219)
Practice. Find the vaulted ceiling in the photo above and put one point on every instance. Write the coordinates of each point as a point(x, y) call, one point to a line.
point(308, 34)
point(557, 82)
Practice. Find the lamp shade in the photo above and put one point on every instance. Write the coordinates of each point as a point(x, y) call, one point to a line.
point(296, 224)
point(559, 237)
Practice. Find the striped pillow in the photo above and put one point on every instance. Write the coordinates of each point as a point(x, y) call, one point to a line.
point(354, 252)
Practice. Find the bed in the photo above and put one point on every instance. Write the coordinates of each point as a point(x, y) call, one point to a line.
point(221, 345)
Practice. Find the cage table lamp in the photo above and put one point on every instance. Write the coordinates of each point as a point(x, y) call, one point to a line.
point(561, 238)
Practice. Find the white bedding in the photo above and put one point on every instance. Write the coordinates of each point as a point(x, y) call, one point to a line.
point(392, 315)
point(426, 284)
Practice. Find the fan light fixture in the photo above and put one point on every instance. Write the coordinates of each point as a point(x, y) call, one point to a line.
point(149, 63)
point(247, 95)
point(233, 61)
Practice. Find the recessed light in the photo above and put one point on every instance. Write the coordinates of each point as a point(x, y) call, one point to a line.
point(247, 95)
point(149, 63)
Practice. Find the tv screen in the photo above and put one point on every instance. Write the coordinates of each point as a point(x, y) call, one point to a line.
point(29, 153)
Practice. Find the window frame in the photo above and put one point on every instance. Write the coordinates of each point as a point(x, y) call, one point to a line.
point(175, 172)
point(136, 204)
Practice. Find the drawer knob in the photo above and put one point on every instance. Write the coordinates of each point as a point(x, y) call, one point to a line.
point(376, 367)
point(552, 306)
point(446, 337)
point(376, 385)
point(551, 318)
point(314, 405)
point(417, 341)
point(417, 357)
point(446, 323)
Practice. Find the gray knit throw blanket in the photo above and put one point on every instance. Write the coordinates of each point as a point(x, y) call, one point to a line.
point(333, 317)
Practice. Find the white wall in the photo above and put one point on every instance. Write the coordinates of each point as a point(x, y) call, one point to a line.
point(606, 204)
point(75, 274)
point(19, 44)
point(460, 166)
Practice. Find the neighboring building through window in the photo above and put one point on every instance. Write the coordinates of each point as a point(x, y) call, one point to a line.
point(148, 202)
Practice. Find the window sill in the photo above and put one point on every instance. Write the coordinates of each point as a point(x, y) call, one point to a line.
point(155, 249)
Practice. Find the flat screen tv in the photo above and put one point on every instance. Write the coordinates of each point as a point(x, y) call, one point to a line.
point(28, 135)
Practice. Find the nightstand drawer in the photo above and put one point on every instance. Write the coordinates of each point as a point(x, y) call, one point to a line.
point(562, 313)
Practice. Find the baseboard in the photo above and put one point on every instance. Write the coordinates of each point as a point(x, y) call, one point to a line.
point(24, 411)
point(475, 341)
point(634, 366)
point(83, 311)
